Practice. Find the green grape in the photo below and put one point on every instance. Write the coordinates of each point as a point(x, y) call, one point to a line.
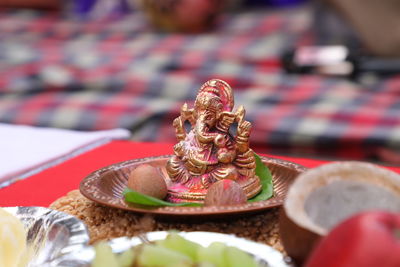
point(174, 251)
point(104, 256)
point(213, 254)
point(126, 258)
point(157, 256)
point(177, 243)
point(201, 264)
point(205, 264)
point(235, 257)
point(181, 264)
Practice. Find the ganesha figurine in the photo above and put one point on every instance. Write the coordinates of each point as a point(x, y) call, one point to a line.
point(208, 152)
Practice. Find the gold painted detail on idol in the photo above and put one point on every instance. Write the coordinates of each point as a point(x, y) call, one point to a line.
point(208, 152)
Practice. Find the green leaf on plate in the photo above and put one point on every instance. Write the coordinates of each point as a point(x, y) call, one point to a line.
point(267, 188)
point(134, 197)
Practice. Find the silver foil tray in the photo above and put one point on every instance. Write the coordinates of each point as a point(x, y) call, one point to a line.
point(51, 234)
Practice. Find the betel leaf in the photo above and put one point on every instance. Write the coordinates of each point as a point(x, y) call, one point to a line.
point(134, 197)
point(265, 176)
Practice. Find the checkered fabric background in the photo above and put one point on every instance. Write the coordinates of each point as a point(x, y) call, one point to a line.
point(122, 73)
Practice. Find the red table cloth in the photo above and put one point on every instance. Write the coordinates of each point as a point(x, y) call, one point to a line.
point(47, 186)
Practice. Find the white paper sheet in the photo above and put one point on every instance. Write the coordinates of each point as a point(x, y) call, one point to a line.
point(26, 150)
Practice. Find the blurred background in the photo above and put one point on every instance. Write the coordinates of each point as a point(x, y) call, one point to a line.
point(317, 78)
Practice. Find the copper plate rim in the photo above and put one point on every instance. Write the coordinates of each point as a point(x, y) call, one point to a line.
point(90, 189)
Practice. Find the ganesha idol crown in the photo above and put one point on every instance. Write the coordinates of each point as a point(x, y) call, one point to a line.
point(208, 152)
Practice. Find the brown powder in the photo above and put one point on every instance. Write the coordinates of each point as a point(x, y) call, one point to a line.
point(105, 223)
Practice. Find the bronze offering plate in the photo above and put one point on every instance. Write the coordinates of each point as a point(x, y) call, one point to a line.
point(105, 186)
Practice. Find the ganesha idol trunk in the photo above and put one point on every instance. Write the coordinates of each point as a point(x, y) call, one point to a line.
point(208, 152)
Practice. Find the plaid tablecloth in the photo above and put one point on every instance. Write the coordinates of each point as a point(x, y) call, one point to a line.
point(121, 73)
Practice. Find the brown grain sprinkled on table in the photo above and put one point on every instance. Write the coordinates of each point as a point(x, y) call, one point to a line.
point(105, 223)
